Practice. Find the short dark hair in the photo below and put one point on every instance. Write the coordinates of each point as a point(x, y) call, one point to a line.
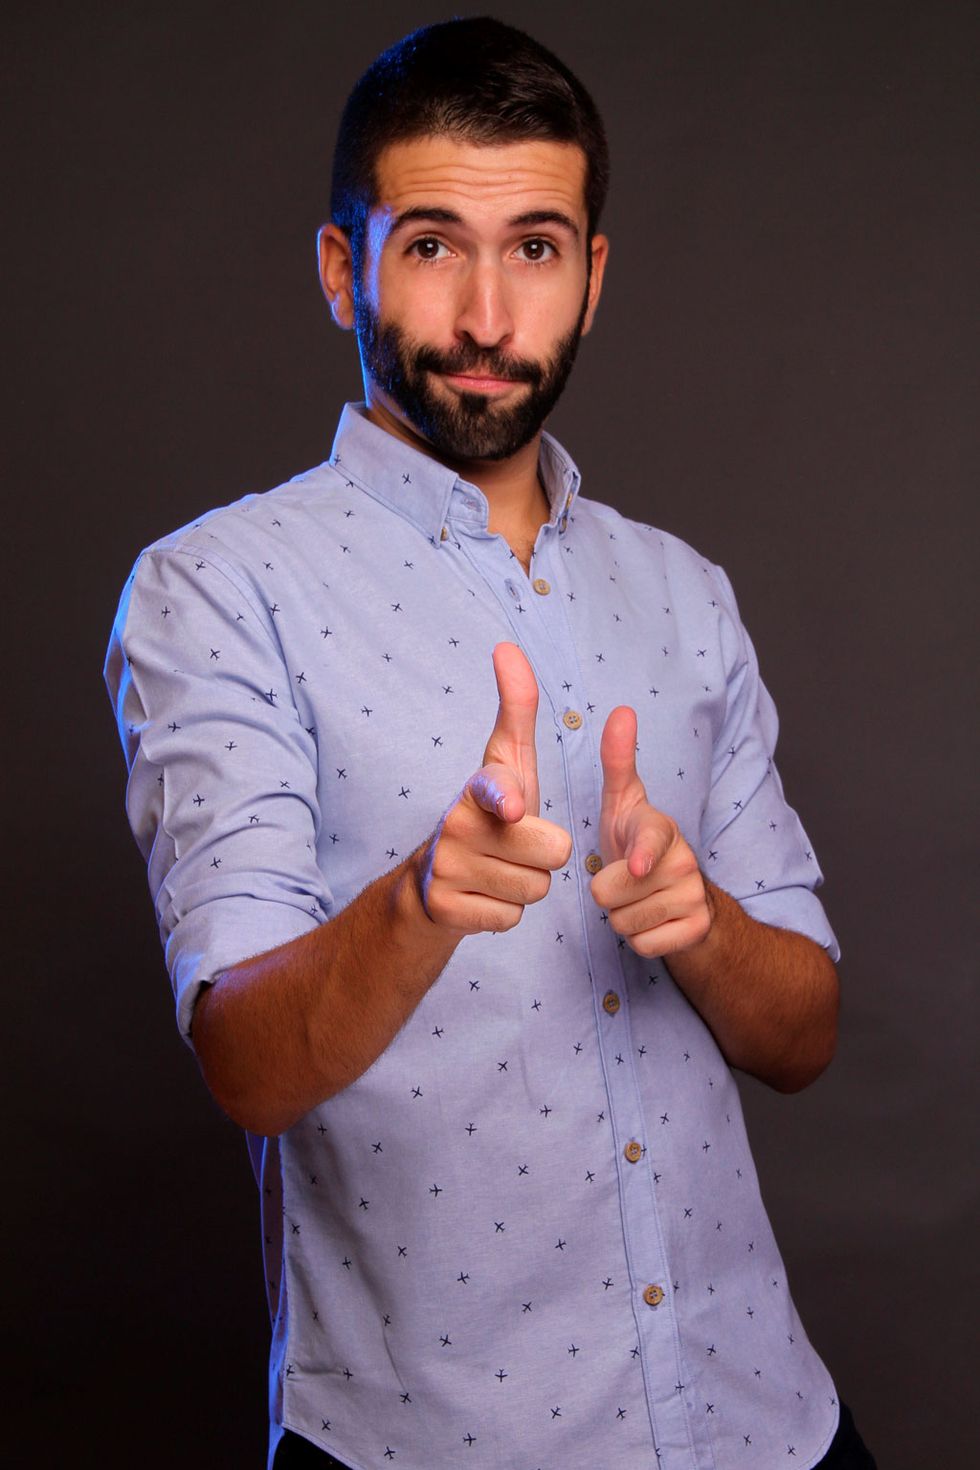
point(476, 79)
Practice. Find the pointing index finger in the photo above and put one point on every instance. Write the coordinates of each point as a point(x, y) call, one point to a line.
point(511, 741)
point(617, 751)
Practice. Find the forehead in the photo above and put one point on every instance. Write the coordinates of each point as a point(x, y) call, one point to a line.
point(481, 180)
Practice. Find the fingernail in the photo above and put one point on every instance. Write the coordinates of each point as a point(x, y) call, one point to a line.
point(499, 804)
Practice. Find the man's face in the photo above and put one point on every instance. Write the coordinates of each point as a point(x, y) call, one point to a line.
point(474, 292)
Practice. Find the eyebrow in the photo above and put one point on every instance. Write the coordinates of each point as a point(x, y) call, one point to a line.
point(546, 217)
point(434, 214)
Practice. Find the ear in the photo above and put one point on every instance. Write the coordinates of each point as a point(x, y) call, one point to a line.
point(337, 274)
point(599, 245)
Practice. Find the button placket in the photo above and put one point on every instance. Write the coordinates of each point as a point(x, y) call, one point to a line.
point(545, 633)
point(653, 1308)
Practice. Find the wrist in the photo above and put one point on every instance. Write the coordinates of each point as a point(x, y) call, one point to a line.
point(408, 897)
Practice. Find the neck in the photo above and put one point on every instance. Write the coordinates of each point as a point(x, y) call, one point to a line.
point(516, 498)
point(513, 490)
point(517, 502)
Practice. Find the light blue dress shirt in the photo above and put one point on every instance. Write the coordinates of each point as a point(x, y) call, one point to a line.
point(530, 1236)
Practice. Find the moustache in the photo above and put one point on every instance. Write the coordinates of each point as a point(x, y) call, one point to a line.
point(468, 358)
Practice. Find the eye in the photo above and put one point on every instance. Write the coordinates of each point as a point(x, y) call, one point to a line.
point(427, 247)
point(537, 251)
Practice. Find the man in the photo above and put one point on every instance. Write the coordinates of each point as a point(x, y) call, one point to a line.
point(477, 1016)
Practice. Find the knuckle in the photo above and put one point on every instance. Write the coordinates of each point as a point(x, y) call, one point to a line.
point(537, 886)
point(463, 818)
point(702, 927)
point(547, 845)
point(654, 914)
point(448, 861)
point(618, 921)
point(646, 945)
point(448, 829)
point(506, 918)
point(436, 906)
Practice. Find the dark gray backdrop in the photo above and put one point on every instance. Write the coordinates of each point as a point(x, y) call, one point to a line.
point(779, 373)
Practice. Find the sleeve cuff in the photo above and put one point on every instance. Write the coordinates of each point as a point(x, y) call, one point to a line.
point(797, 909)
point(213, 938)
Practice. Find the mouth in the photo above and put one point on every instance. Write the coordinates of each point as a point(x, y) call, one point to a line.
point(480, 383)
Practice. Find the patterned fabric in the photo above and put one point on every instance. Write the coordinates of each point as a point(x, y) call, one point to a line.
point(847, 1451)
point(531, 1234)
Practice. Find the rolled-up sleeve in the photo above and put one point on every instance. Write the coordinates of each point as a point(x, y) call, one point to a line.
point(222, 775)
point(752, 842)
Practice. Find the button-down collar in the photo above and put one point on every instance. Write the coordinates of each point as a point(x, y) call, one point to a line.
point(427, 493)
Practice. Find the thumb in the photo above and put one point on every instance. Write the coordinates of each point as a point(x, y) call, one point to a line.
point(511, 741)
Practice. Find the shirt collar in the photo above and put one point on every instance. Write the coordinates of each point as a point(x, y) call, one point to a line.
point(426, 492)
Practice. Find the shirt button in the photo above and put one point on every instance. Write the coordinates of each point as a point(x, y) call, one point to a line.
point(593, 863)
point(610, 1002)
point(653, 1295)
point(633, 1151)
point(443, 534)
point(572, 719)
point(541, 586)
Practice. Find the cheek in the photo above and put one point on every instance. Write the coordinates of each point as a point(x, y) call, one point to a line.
point(550, 305)
point(422, 306)
point(544, 323)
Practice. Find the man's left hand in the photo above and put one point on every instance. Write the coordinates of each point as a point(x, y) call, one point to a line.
point(650, 882)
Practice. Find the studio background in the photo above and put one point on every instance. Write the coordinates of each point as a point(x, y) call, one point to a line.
point(779, 373)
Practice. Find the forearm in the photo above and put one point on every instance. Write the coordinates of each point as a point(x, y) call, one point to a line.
point(769, 996)
point(280, 1033)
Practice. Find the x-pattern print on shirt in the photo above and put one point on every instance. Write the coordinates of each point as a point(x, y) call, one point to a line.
point(531, 1234)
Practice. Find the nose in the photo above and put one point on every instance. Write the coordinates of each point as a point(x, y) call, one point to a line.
point(484, 310)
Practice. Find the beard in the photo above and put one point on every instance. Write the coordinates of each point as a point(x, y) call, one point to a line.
point(467, 426)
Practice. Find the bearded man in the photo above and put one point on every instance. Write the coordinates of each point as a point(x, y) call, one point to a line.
point(477, 1015)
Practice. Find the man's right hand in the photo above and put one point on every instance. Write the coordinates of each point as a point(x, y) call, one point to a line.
point(279, 1033)
point(491, 854)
